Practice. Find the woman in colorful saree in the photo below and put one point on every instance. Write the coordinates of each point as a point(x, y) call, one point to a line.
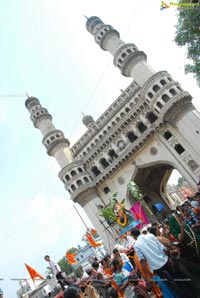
point(189, 263)
point(186, 236)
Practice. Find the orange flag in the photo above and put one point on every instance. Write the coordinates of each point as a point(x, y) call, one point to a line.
point(33, 273)
point(71, 258)
point(91, 240)
point(93, 231)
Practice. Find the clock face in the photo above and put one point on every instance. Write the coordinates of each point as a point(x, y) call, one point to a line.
point(121, 145)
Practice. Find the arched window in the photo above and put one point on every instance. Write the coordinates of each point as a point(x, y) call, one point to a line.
point(73, 187)
point(156, 88)
point(104, 163)
point(169, 79)
point(67, 177)
point(163, 82)
point(131, 136)
point(167, 135)
point(150, 94)
point(159, 105)
point(80, 170)
point(151, 117)
point(73, 173)
point(112, 154)
point(123, 55)
point(85, 179)
point(142, 127)
point(172, 91)
point(127, 110)
point(179, 149)
point(79, 182)
point(122, 115)
point(106, 190)
point(95, 171)
point(52, 138)
point(165, 98)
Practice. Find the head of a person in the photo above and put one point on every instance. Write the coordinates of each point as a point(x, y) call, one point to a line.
point(107, 259)
point(133, 280)
point(113, 293)
point(135, 233)
point(95, 265)
point(153, 230)
point(144, 232)
point(116, 252)
point(117, 264)
point(47, 258)
point(72, 292)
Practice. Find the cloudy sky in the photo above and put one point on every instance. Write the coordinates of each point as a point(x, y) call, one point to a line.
point(47, 52)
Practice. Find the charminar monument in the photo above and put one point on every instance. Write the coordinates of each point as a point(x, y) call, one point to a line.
point(149, 130)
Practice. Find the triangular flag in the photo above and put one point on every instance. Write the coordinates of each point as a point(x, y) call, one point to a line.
point(71, 258)
point(91, 240)
point(33, 273)
point(93, 231)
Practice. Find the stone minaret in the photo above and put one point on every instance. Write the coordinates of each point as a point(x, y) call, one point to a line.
point(127, 57)
point(53, 139)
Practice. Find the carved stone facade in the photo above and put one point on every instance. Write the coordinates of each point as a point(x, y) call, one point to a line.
point(149, 130)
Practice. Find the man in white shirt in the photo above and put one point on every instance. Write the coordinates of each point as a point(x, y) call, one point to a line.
point(128, 242)
point(149, 249)
point(56, 270)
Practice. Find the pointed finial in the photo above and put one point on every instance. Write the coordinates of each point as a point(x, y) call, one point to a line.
point(82, 114)
point(121, 90)
point(85, 17)
point(26, 94)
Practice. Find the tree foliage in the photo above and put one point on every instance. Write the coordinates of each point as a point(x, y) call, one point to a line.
point(188, 34)
point(180, 182)
point(135, 191)
point(65, 266)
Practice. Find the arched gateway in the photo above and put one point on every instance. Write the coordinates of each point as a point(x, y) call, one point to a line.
point(149, 130)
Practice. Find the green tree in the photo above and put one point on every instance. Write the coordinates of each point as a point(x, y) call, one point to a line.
point(180, 182)
point(188, 34)
point(65, 266)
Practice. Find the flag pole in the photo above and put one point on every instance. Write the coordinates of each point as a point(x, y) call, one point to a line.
point(81, 217)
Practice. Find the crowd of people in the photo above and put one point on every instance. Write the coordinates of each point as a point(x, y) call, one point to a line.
point(159, 260)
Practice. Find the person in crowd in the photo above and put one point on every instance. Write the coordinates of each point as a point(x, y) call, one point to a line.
point(127, 243)
point(89, 289)
point(184, 233)
point(73, 292)
point(148, 248)
point(120, 276)
point(113, 293)
point(139, 290)
point(55, 268)
point(125, 259)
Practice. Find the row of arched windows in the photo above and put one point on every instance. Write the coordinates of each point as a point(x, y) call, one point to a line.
point(73, 173)
point(178, 147)
point(78, 184)
point(52, 138)
point(159, 85)
point(141, 127)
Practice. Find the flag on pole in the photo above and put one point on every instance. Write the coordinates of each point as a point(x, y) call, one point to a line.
point(33, 273)
point(91, 240)
point(93, 231)
point(71, 258)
